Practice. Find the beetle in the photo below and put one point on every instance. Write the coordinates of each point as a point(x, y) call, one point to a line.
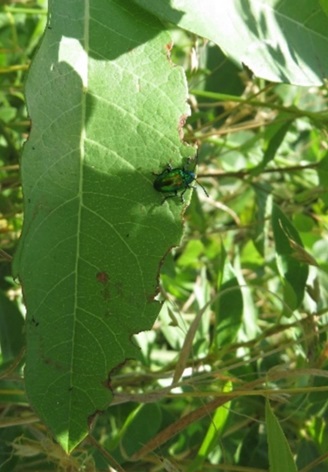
point(172, 180)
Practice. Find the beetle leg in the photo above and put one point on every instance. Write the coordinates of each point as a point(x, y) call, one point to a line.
point(170, 196)
point(182, 194)
point(165, 171)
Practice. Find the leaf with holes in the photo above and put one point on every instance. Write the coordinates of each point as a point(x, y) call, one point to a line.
point(106, 106)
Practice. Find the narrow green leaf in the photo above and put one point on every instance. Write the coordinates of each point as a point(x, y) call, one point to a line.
point(213, 433)
point(141, 426)
point(323, 178)
point(279, 41)
point(280, 455)
point(229, 312)
point(106, 104)
point(293, 270)
point(274, 136)
point(262, 214)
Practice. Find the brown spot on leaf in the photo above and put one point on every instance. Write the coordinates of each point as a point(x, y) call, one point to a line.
point(102, 277)
point(182, 122)
point(169, 47)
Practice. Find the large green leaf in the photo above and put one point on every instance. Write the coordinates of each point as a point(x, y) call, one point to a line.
point(106, 106)
point(278, 40)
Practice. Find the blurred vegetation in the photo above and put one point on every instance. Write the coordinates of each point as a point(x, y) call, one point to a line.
point(245, 295)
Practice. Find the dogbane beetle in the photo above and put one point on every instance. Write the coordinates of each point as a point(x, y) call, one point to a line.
point(173, 180)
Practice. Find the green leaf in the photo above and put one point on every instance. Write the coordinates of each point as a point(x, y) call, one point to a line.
point(229, 310)
point(291, 258)
point(140, 426)
point(323, 178)
point(274, 136)
point(278, 41)
point(324, 6)
point(106, 104)
point(263, 207)
point(214, 432)
point(280, 455)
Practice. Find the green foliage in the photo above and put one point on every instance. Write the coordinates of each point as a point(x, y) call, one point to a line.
point(276, 40)
point(243, 290)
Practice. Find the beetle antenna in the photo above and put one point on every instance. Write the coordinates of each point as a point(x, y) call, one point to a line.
point(196, 157)
point(204, 190)
point(196, 160)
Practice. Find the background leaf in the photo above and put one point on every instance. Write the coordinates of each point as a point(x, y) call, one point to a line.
point(229, 310)
point(280, 456)
point(293, 272)
point(277, 40)
point(274, 136)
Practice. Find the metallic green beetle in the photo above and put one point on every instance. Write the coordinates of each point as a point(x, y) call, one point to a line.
point(173, 180)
